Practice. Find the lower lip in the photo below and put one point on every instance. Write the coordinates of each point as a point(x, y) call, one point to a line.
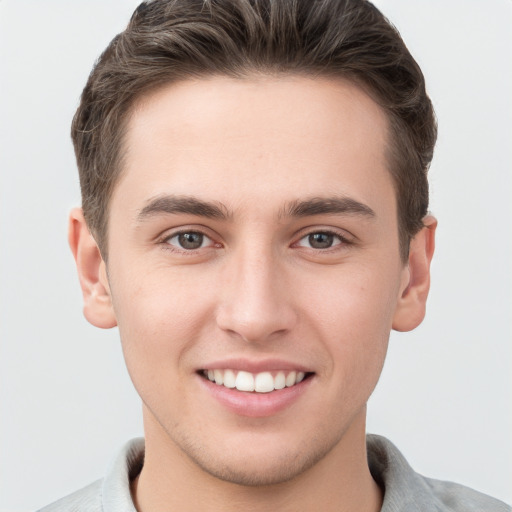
point(256, 405)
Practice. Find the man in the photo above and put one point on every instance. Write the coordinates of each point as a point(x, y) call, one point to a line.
point(255, 222)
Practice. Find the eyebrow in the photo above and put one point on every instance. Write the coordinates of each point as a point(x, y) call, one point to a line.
point(327, 205)
point(171, 204)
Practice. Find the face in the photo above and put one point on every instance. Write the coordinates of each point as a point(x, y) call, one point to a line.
point(253, 243)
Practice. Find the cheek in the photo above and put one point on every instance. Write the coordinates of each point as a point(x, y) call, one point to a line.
point(158, 326)
point(159, 314)
point(353, 318)
point(354, 301)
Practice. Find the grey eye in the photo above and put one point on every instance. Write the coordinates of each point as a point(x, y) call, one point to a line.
point(189, 240)
point(320, 240)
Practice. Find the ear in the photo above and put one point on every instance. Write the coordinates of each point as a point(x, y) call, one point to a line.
point(410, 309)
point(92, 272)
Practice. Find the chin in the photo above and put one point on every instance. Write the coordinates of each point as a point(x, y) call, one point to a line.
point(253, 466)
point(259, 471)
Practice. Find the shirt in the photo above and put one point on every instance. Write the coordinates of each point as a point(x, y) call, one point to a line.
point(404, 490)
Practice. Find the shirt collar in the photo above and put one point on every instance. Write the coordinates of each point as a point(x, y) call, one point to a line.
point(116, 495)
point(404, 490)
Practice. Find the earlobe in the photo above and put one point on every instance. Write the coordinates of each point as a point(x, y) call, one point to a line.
point(411, 304)
point(92, 273)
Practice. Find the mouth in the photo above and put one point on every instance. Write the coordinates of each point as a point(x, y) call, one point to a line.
point(262, 382)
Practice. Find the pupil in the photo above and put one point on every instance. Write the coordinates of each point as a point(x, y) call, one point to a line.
point(191, 240)
point(321, 240)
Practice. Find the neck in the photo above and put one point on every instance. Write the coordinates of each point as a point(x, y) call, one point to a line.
point(340, 481)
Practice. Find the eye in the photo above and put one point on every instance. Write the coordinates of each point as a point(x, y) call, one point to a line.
point(189, 240)
point(320, 240)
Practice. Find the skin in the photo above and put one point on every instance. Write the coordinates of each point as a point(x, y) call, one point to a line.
point(256, 290)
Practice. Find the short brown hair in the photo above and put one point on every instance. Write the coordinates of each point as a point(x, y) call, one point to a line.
point(170, 40)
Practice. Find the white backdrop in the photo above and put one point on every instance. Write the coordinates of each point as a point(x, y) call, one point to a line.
point(445, 397)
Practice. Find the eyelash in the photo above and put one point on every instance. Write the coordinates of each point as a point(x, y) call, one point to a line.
point(164, 241)
point(343, 240)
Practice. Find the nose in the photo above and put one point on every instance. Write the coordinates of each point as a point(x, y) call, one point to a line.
point(255, 302)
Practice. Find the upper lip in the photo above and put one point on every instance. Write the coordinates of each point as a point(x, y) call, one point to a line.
point(254, 366)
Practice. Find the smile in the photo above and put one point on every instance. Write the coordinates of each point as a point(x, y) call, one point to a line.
point(263, 382)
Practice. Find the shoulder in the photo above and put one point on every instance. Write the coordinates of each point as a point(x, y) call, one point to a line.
point(408, 491)
point(456, 497)
point(87, 499)
point(111, 493)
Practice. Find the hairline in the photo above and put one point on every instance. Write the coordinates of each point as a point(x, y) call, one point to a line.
point(138, 99)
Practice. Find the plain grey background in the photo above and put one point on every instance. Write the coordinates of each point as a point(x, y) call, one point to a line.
point(445, 397)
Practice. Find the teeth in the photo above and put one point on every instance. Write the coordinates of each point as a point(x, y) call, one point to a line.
point(229, 379)
point(219, 377)
point(290, 379)
point(263, 382)
point(280, 381)
point(244, 381)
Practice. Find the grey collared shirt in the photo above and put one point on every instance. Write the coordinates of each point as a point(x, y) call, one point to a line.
point(404, 489)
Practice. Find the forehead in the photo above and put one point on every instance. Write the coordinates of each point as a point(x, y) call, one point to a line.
point(260, 137)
